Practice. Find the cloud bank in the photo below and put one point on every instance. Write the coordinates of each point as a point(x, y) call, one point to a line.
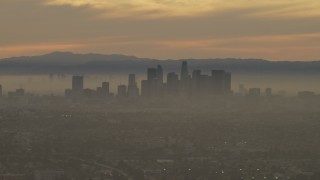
point(174, 8)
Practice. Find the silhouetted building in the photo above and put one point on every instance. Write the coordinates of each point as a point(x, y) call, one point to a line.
point(154, 84)
point(68, 93)
point(152, 74)
point(218, 80)
point(122, 91)
point(268, 92)
point(184, 74)
point(185, 80)
point(160, 74)
point(77, 84)
point(196, 81)
point(105, 88)
point(0, 90)
point(89, 92)
point(133, 90)
point(306, 94)
point(199, 84)
point(17, 93)
point(172, 83)
point(99, 92)
point(255, 92)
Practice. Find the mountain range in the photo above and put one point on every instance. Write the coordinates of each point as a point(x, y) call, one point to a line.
point(70, 63)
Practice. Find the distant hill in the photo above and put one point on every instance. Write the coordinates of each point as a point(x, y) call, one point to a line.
point(70, 63)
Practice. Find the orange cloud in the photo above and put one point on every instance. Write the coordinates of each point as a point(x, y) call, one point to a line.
point(171, 8)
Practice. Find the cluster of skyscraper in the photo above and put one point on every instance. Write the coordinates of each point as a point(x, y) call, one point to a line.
point(78, 90)
point(218, 83)
point(196, 84)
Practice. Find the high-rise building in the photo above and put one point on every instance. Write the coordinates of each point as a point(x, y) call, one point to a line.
point(132, 80)
point(172, 83)
point(185, 80)
point(184, 75)
point(105, 88)
point(77, 84)
point(268, 92)
point(122, 91)
point(254, 92)
point(153, 82)
point(0, 90)
point(218, 81)
point(152, 74)
point(133, 90)
point(160, 74)
point(196, 81)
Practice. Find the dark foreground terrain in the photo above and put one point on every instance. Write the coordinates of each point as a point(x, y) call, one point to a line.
point(86, 141)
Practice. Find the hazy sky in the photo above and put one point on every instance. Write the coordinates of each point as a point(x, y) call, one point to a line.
point(268, 29)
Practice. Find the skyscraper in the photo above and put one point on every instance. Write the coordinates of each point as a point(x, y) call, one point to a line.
point(268, 92)
point(196, 81)
point(185, 80)
point(105, 88)
point(77, 84)
point(132, 80)
point(153, 82)
point(184, 75)
point(172, 83)
point(254, 92)
point(152, 74)
point(160, 74)
point(122, 91)
point(133, 90)
point(218, 81)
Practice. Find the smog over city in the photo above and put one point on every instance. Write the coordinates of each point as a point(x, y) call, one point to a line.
point(159, 90)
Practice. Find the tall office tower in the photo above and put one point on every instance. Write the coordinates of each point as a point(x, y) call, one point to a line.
point(160, 74)
point(268, 92)
point(218, 81)
point(99, 92)
point(133, 90)
point(132, 80)
point(153, 87)
point(152, 74)
point(77, 83)
point(227, 83)
point(185, 80)
point(196, 81)
point(172, 83)
point(105, 88)
point(184, 76)
point(122, 91)
point(0, 90)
